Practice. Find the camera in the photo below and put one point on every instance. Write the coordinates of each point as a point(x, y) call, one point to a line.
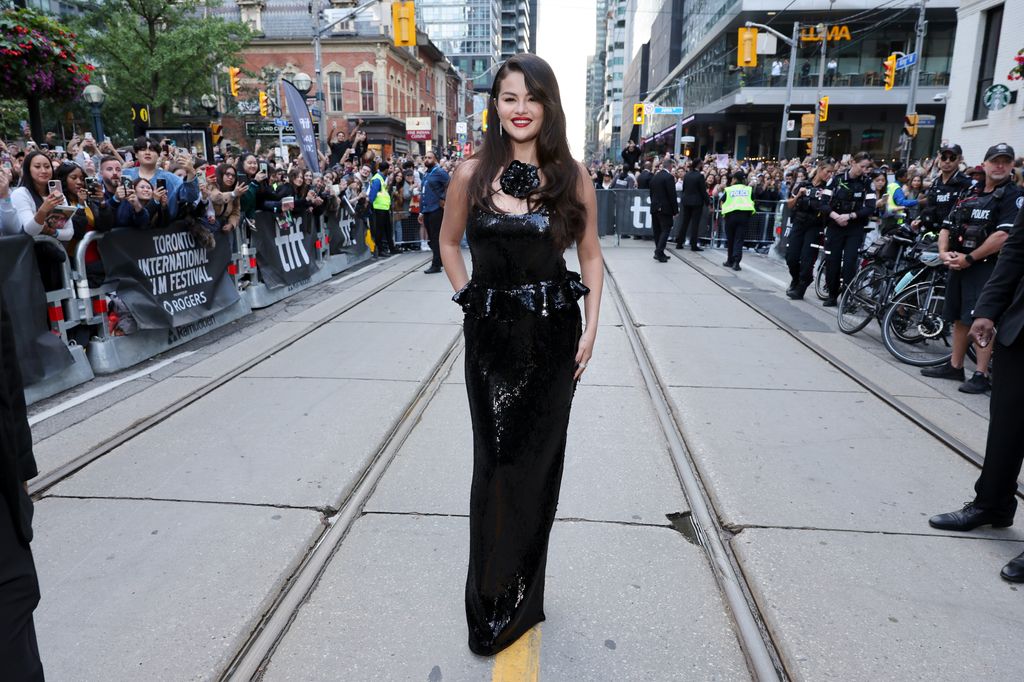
point(91, 185)
point(127, 183)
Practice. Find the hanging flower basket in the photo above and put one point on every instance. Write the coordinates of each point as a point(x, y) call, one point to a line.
point(1017, 72)
point(38, 58)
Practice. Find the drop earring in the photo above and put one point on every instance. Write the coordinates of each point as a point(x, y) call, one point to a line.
point(501, 130)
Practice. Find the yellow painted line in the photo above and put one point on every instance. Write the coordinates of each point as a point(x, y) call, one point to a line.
point(521, 661)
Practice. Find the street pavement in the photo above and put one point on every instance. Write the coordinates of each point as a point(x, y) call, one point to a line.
point(159, 559)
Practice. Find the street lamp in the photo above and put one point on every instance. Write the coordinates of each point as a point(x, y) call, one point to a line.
point(94, 95)
point(302, 82)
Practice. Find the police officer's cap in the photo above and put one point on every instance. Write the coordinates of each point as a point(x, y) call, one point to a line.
point(1001, 149)
point(952, 148)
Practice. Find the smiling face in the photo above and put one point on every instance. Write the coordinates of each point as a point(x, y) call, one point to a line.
point(143, 190)
point(41, 171)
point(519, 113)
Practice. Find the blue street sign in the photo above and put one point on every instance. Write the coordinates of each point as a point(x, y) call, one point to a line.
point(669, 111)
point(906, 61)
point(281, 122)
point(314, 111)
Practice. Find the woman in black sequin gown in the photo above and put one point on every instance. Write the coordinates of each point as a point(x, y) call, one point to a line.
point(521, 200)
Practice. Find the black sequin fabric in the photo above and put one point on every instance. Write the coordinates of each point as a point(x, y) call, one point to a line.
point(519, 179)
point(522, 328)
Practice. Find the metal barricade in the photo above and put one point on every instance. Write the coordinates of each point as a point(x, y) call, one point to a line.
point(764, 227)
point(407, 229)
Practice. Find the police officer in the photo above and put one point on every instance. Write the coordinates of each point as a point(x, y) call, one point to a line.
point(380, 200)
point(809, 205)
point(969, 243)
point(949, 186)
point(852, 201)
point(737, 210)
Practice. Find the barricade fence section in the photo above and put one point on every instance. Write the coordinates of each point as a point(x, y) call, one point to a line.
point(627, 212)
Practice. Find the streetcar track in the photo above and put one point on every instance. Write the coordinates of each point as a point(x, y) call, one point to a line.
point(755, 640)
point(253, 657)
point(950, 441)
point(45, 481)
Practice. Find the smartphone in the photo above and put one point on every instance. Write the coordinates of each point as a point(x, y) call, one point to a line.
point(54, 186)
point(59, 149)
point(88, 136)
point(202, 179)
point(288, 203)
point(161, 183)
point(91, 184)
point(264, 167)
point(127, 183)
point(8, 165)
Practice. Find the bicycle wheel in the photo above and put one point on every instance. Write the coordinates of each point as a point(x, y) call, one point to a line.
point(820, 282)
point(861, 300)
point(913, 329)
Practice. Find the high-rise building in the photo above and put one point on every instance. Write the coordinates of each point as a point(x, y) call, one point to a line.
point(533, 26)
point(516, 29)
point(614, 71)
point(596, 86)
point(469, 32)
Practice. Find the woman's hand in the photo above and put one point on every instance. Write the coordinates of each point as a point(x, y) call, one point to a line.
point(5, 183)
point(260, 177)
point(240, 189)
point(583, 353)
point(160, 194)
point(52, 201)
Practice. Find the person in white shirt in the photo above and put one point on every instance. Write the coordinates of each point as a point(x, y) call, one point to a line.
point(776, 72)
point(9, 223)
point(35, 203)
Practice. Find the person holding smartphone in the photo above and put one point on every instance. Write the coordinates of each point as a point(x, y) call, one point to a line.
point(178, 191)
point(9, 223)
point(254, 174)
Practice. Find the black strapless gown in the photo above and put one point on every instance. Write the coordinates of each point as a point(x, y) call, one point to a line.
point(522, 330)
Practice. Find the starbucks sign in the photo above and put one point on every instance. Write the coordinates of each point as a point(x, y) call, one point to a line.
point(997, 97)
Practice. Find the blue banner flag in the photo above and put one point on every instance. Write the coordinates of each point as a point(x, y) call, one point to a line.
point(304, 135)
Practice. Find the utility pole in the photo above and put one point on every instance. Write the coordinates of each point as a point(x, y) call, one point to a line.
point(793, 44)
point(317, 67)
point(915, 74)
point(823, 33)
point(679, 121)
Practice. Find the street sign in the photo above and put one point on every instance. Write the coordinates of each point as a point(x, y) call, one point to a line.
point(997, 97)
point(668, 111)
point(314, 111)
point(281, 123)
point(906, 61)
point(462, 139)
point(288, 139)
point(461, 128)
point(266, 129)
point(648, 108)
point(925, 121)
point(417, 128)
point(820, 147)
point(791, 125)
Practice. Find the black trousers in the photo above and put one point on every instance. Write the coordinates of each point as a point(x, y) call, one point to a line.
point(996, 487)
point(662, 227)
point(690, 226)
point(432, 221)
point(800, 252)
point(19, 594)
point(383, 232)
point(843, 246)
point(736, 224)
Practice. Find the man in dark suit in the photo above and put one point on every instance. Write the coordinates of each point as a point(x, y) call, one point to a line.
point(664, 207)
point(643, 180)
point(1001, 302)
point(19, 588)
point(695, 197)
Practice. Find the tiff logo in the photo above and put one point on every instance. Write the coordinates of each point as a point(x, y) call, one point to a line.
point(641, 211)
point(290, 247)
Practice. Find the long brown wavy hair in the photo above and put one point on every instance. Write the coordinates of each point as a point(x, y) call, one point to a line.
point(559, 189)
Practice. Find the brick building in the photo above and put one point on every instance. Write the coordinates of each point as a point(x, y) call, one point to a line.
point(364, 76)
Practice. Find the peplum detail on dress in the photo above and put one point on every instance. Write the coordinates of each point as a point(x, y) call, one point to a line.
point(540, 298)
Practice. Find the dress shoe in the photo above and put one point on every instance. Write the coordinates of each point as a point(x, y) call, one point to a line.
point(944, 371)
point(679, 246)
point(797, 292)
point(696, 248)
point(978, 383)
point(431, 271)
point(727, 264)
point(829, 303)
point(661, 258)
point(736, 267)
point(969, 518)
point(1014, 571)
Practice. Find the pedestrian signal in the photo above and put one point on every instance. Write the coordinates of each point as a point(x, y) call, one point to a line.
point(403, 23)
point(910, 125)
point(264, 105)
point(233, 72)
point(807, 125)
point(890, 71)
point(823, 109)
point(638, 114)
point(746, 47)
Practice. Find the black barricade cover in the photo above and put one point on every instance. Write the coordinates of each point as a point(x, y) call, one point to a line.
point(334, 224)
point(40, 353)
point(285, 253)
point(165, 278)
point(631, 212)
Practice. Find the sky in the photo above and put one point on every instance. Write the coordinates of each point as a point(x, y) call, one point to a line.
point(565, 38)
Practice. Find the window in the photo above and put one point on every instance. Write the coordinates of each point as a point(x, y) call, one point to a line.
point(366, 98)
point(334, 87)
point(987, 64)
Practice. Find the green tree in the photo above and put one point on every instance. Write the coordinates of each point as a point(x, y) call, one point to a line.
point(158, 52)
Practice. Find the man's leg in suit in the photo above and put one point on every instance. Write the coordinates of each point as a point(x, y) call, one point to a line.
point(19, 594)
point(996, 487)
point(684, 227)
point(662, 239)
point(693, 227)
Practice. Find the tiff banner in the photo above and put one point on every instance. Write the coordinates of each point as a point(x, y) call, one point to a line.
point(285, 248)
point(166, 278)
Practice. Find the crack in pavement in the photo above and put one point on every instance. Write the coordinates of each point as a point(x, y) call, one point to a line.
point(326, 511)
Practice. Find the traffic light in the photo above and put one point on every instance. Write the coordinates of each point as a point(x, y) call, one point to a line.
point(216, 133)
point(638, 114)
point(910, 125)
point(810, 148)
point(233, 72)
point(823, 109)
point(890, 71)
point(483, 120)
point(264, 105)
point(746, 47)
point(403, 23)
point(807, 125)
